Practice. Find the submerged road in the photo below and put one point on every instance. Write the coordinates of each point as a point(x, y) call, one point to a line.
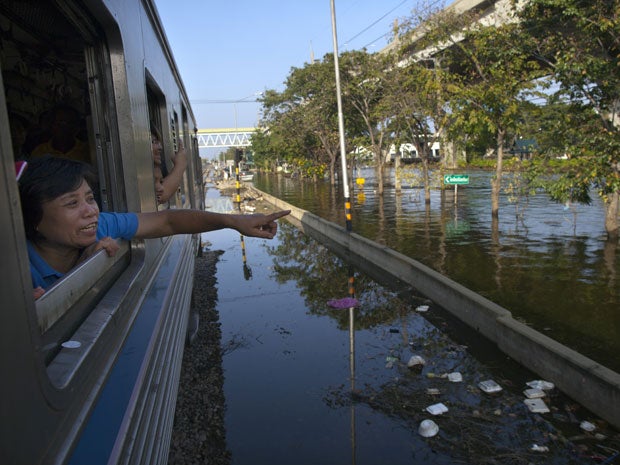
point(295, 392)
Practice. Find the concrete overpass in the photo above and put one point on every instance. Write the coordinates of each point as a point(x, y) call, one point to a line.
point(490, 12)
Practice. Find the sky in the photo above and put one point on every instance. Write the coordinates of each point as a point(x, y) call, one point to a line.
point(230, 52)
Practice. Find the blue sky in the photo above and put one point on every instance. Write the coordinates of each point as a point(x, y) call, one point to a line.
point(229, 51)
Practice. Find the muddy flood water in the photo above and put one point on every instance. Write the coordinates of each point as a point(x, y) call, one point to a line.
point(306, 382)
point(547, 263)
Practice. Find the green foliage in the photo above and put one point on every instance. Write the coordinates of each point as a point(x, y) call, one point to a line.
point(552, 76)
point(414, 177)
point(579, 42)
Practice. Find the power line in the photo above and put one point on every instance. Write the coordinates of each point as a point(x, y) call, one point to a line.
point(382, 17)
point(205, 101)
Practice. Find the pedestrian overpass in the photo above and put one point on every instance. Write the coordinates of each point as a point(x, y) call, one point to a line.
point(224, 137)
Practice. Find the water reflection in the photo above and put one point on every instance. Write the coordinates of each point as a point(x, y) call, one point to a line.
point(549, 264)
point(315, 384)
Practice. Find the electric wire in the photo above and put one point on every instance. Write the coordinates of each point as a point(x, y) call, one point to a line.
point(375, 22)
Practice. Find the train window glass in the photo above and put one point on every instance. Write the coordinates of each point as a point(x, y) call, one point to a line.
point(186, 183)
point(161, 166)
point(182, 189)
point(55, 88)
point(43, 88)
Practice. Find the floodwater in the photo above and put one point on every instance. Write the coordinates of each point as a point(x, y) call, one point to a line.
point(548, 263)
point(307, 383)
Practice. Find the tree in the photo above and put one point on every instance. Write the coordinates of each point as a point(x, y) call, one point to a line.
point(579, 43)
point(307, 111)
point(415, 93)
point(315, 88)
point(491, 68)
point(363, 86)
point(285, 140)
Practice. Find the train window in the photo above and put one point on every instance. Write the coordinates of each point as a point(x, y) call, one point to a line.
point(57, 95)
point(187, 187)
point(175, 135)
point(174, 186)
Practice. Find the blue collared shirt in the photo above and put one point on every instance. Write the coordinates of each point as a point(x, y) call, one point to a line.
point(115, 225)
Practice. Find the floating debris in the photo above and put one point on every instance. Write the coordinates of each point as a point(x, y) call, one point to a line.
point(422, 308)
point(537, 448)
point(433, 391)
point(534, 393)
point(540, 384)
point(437, 409)
point(489, 386)
point(416, 361)
point(428, 428)
point(455, 377)
point(536, 405)
point(346, 302)
point(390, 360)
point(587, 426)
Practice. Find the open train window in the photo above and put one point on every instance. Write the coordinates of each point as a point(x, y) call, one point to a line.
point(193, 162)
point(56, 78)
point(167, 130)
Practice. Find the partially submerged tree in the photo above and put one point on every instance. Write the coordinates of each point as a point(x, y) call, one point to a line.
point(363, 79)
point(271, 144)
point(490, 68)
point(579, 43)
point(415, 93)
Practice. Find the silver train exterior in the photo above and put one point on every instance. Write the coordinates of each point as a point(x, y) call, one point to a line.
point(90, 371)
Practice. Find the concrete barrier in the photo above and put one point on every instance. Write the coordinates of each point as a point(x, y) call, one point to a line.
point(589, 383)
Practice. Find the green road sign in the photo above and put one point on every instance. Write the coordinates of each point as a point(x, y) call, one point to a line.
point(456, 179)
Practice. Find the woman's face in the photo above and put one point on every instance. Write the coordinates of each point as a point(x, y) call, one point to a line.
point(71, 219)
point(156, 149)
point(159, 182)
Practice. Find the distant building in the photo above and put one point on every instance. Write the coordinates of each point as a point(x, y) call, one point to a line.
point(524, 148)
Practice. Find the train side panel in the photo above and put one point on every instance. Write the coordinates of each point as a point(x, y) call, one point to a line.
point(110, 399)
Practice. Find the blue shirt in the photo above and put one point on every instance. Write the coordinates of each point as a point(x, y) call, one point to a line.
point(115, 225)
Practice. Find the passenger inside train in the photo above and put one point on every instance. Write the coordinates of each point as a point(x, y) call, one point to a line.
point(168, 183)
point(64, 226)
point(62, 135)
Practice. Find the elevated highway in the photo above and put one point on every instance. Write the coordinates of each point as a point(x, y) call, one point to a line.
point(490, 12)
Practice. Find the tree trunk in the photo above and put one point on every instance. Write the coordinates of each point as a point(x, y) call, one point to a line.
point(496, 182)
point(611, 216)
point(449, 158)
point(379, 175)
point(397, 180)
point(427, 182)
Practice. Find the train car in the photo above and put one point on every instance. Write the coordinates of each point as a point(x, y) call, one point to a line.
point(90, 370)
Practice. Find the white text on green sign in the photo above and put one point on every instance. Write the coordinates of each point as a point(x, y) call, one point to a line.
point(456, 179)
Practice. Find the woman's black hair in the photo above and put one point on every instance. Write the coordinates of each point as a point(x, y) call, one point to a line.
point(45, 179)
